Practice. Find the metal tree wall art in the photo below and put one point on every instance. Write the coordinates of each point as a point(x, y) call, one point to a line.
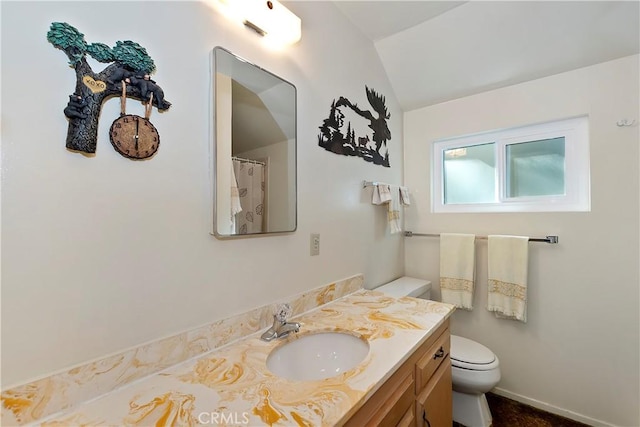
point(366, 134)
point(129, 62)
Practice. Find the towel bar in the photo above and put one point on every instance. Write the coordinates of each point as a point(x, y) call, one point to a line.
point(366, 184)
point(548, 239)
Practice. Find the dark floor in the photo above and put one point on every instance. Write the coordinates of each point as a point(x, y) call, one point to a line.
point(509, 413)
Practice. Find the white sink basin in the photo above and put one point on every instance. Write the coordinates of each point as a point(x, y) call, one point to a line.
point(317, 356)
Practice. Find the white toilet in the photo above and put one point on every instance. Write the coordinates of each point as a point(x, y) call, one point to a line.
point(475, 369)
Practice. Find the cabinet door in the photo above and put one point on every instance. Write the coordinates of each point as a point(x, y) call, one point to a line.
point(396, 405)
point(434, 404)
point(388, 406)
point(409, 419)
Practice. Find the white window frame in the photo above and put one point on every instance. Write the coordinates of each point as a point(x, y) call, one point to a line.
point(577, 197)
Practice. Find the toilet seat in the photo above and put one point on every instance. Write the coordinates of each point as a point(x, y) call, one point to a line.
point(468, 354)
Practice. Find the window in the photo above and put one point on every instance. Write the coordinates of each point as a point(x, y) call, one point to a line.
point(536, 168)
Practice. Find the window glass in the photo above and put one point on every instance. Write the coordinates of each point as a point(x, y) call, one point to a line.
point(536, 168)
point(541, 167)
point(470, 174)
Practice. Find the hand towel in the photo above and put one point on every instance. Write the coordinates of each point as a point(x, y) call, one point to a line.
point(381, 194)
point(384, 194)
point(404, 196)
point(457, 269)
point(393, 214)
point(508, 266)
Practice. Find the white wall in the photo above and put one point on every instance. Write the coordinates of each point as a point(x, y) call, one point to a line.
point(100, 254)
point(578, 354)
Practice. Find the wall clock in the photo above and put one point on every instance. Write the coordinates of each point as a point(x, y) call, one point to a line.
point(127, 61)
point(133, 136)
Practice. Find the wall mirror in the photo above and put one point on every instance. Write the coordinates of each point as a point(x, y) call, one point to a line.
point(254, 149)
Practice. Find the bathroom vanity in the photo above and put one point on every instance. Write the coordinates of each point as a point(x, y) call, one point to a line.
point(404, 378)
point(418, 393)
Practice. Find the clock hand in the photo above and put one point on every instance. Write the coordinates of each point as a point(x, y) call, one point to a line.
point(136, 137)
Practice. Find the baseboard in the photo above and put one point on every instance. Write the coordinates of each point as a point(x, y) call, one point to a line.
point(550, 408)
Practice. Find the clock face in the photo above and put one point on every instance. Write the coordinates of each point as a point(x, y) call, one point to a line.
point(134, 137)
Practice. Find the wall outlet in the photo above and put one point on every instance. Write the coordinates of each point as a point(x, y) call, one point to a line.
point(314, 244)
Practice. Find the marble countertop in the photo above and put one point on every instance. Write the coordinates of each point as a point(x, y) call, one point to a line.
point(232, 385)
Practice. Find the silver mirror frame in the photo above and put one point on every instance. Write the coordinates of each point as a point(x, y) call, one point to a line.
point(214, 151)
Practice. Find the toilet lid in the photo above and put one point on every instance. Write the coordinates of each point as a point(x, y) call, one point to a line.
point(405, 287)
point(466, 353)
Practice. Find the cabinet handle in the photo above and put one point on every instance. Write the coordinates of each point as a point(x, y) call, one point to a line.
point(424, 418)
point(439, 353)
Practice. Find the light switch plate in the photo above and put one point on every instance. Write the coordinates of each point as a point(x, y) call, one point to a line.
point(314, 244)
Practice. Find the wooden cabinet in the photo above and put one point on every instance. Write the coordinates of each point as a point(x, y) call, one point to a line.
point(418, 393)
point(434, 404)
point(433, 385)
point(391, 405)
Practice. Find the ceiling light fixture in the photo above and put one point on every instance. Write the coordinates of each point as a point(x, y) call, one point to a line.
point(455, 152)
point(269, 18)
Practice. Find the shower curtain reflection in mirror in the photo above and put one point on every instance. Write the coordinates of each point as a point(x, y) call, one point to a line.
point(250, 176)
point(253, 119)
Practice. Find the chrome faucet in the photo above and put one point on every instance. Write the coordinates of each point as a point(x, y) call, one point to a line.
point(281, 328)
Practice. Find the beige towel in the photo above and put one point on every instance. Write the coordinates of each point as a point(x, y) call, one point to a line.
point(393, 214)
point(457, 269)
point(508, 264)
point(382, 194)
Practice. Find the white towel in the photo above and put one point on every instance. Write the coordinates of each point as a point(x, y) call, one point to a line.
point(381, 194)
point(393, 214)
point(508, 265)
point(404, 196)
point(457, 269)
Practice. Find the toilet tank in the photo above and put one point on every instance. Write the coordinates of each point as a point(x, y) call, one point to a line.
point(407, 287)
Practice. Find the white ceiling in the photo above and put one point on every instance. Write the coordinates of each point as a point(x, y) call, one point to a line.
point(435, 51)
point(380, 19)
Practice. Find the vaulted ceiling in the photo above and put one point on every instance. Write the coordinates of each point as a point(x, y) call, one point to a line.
point(435, 51)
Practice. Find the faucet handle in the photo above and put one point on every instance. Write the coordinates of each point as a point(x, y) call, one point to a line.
point(283, 312)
